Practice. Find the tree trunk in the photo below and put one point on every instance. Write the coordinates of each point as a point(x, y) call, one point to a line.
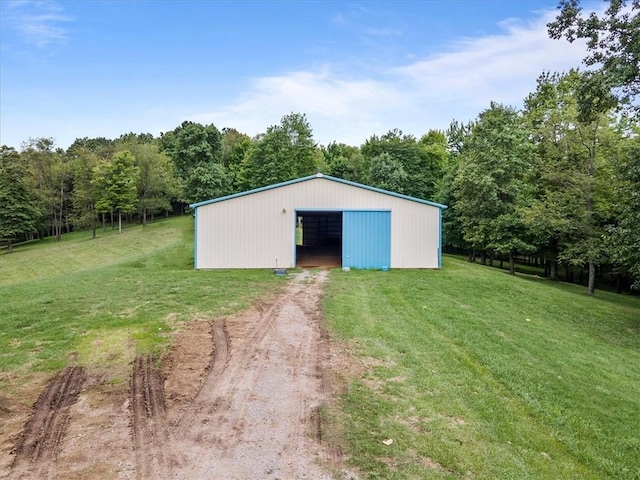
point(591, 288)
point(58, 236)
point(483, 257)
point(512, 264)
point(553, 270)
point(501, 262)
point(10, 246)
point(119, 221)
point(144, 217)
point(104, 223)
point(491, 259)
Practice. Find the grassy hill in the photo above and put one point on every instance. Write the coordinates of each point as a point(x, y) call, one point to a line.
point(476, 374)
point(100, 301)
point(472, 373)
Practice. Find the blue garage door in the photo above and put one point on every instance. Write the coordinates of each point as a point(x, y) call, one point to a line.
point(366, 239)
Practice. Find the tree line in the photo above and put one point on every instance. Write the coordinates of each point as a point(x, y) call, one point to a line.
point(557, 181)
point(46, 191)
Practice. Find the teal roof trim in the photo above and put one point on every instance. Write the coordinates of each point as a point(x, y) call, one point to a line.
point(311, 177)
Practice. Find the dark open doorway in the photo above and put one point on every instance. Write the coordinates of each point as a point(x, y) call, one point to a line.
point(318, 239)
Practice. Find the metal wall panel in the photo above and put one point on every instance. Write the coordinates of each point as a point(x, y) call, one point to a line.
point(253, 231)
point(366, 239)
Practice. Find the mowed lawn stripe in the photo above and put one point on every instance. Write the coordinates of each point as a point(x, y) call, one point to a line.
point(480, 374)
point(78, 251)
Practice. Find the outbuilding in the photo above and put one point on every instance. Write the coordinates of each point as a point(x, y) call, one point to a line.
point(318, 221)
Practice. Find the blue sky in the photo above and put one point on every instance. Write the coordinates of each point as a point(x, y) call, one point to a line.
point(89, 68)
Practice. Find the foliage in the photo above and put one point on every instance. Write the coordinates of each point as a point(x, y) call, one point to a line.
point(346, 162)
point(192, 144)
point(157, 183)
point(284, 153)
point(18, 213)
point(50, 174)
point(625, 236)
point(195, 149)
point(613, 42)
point(422, 161)
point(490, 184)
point(85, 191)
point(206, 182)
point(236, 147)
point(101, 147)
point(387, 173)
point(117, 183)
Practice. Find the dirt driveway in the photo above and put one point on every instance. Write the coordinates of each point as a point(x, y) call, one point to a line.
point(235, 398)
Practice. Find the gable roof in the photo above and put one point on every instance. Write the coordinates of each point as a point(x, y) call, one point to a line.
point(312, 177)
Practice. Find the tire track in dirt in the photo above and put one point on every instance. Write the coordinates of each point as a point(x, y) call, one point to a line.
point(36, 451)
point(151, 436)
point(253, 415)
point(244, 401)
point(217, 365)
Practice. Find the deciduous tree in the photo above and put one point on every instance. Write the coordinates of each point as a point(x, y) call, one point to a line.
point(117, 181)
point(613, 42)
point(157, 182)
point(286, 151)
point(18, 213)
point(194, 149)
point(490, 184)
point(85, 192)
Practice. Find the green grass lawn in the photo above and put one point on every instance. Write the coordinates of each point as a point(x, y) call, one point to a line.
point(471, 372)
point(100, 301)
point(476, 374)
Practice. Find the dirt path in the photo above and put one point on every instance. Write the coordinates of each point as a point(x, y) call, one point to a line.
point(235, 398)
point(40, 440)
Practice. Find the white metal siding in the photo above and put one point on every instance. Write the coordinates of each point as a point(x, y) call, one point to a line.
point(252, 231)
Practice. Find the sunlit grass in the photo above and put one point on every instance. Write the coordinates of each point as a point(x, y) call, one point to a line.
point(99, 302)
point(476, 374)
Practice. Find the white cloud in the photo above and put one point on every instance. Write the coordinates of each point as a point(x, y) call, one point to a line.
point(323, 96)
point(39, 22)
point(426, 93)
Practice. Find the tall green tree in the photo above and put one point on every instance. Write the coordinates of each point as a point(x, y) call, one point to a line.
point(194, 149)
point(570, 123)
point(18, 212)
point(51, 173)
point(435, 147)
point(236, 147)
point(286, 151)
point(346, 162)
point(387, 173)
point(551, 115)
point(85, 192)
point(613, 42)
point(192, 144)
point(117, 181)
point(490, 185)
point(157, 182)
point(420, 161)
point(458, 135)
point(624, 236)
point(102, 147)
